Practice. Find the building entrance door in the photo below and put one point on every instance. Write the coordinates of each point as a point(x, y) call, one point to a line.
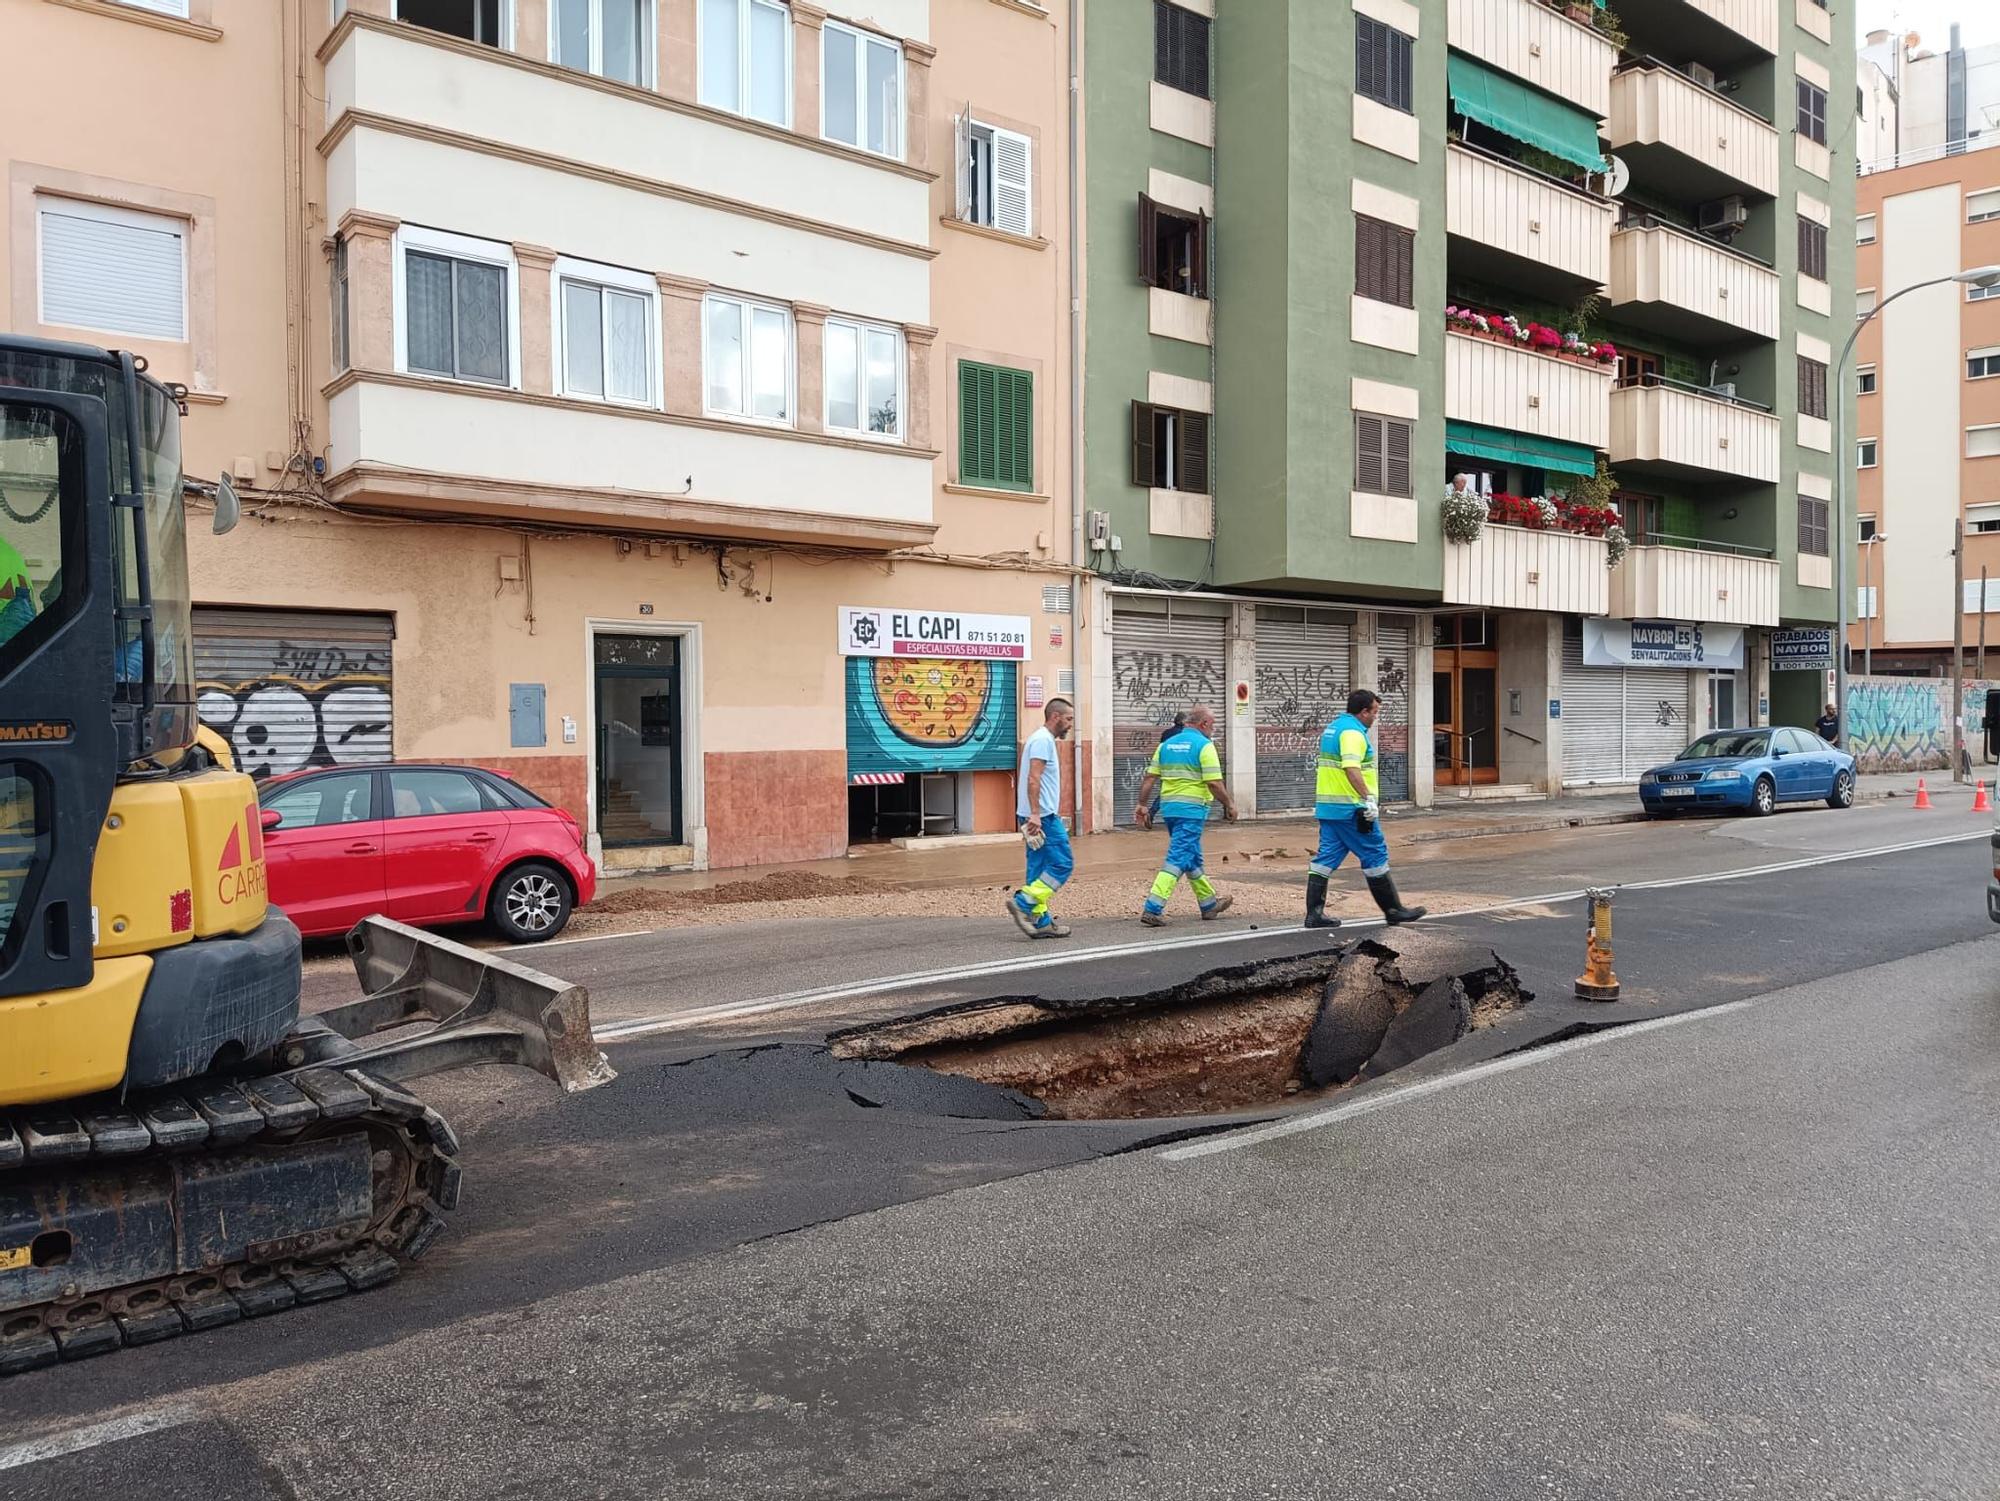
point(1465, 700)
point(638, 740)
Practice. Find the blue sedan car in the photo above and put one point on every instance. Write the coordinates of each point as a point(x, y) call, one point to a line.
point(1750, 769)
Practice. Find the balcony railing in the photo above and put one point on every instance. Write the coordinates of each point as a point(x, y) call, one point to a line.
point(1706, 145)
point(1538, 44)
point(1677, 281)
point(1505, 206)
point(1703, 582)
point(1507, 386)
point(1689, 431)
point(1515, 568)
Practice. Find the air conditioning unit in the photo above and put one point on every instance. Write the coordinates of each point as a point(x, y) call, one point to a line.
point(1723, 388)
point(1702, 74)
point(1723, 216)
point(1097, 529)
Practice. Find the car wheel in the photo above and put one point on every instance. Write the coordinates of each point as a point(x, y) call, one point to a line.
point(530, 903)
point(1764, 797)
point(1842, 795)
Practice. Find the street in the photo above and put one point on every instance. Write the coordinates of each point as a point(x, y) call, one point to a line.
point(1739, 1243)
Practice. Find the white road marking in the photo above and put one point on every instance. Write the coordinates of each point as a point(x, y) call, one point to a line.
point(678, 1021)
point(1368, 1104)
point(115, 1430)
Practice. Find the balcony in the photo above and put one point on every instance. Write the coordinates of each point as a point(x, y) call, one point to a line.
point(1670, 281)
point(1522, 228)
point(1514, 568)
point(1537, 45)
point(1688, 140)
point(1506, 386)
point(1694, 582)
point(1685, 432)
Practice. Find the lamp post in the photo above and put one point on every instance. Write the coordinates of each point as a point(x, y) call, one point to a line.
point(1868, 620)
point(1978, 276)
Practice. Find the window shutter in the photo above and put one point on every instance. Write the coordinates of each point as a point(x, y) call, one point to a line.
point(1368, 453)
point(1017, 451)
point(1149, 241)
point(1401, 246)
point(1192, 469)
point(1013, 191)
point(1396, 458)
point(1163, 43)
point(1367, 258)
point(120, 273)
point(975, 423)
point(1402, 85)
point(1367, 57)
point(961, 152)
point(1204, 226)
point(1145, 463)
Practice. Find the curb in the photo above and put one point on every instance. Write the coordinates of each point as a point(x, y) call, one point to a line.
point(1533, 826)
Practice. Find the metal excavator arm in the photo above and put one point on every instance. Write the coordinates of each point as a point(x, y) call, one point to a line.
point(482, 1008)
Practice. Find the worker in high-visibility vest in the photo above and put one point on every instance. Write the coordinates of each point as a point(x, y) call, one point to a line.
point(1349, 808)
point(1189, 775)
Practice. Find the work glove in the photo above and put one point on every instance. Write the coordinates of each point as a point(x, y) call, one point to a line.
point(1372, 810)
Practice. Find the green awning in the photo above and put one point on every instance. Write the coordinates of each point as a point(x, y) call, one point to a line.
point(1525, 449)
point(1528, 115)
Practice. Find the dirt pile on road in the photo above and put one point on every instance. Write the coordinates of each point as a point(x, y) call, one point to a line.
point(779, 886)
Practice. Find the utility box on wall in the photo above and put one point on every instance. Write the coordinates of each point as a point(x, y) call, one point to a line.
point(527, 718)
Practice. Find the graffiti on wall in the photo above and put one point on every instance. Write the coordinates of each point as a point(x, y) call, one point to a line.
point(310, 704)
point(918, 714)
point(1904, 724)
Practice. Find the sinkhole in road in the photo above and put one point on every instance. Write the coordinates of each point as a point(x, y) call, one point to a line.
point(1229, 1039)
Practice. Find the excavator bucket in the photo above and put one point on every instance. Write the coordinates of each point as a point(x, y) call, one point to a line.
point(482, 1007)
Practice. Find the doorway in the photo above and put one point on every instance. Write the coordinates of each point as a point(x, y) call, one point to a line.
point(1725, 706)
point(638, 740)
point(1465, 700)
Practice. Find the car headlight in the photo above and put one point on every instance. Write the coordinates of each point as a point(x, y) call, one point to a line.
point(1648, 779)
point(1725, 776)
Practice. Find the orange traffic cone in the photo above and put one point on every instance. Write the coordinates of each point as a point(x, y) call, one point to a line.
point(1923, 795)
point(1981, 803)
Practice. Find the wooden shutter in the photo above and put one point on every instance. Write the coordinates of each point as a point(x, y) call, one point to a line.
point(1396, 478)
point(1204, 226)
point(1368, 258)
point(961, 153)
point(1191, 472)
point(1149, 241)
point(1401, 246)
point(976, 403)
point(1812, 388)
point(1401, 52)
point(1145, 462)
point(1017, 436)
point(1368, 453)
point(1368, 59)
point(1013, 178)
point(1812, 248)
point(1163, 43)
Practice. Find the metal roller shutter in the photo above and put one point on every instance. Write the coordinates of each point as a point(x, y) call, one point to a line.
point(1593, 717)
point(1160, 663)
point(295, 688)
point(1393, 636)
point(1305, 669)
point(1656, 717)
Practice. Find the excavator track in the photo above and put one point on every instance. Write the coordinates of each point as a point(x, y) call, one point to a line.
point(157, 1154)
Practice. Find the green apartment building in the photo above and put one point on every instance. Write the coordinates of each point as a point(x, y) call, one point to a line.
point(1343, 255)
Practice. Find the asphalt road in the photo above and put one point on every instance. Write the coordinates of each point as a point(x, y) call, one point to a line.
point(1747, 1250)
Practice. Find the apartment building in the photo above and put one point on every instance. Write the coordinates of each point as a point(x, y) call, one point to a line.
point(1341, 253)
point(1927, 371)
point(659, 400)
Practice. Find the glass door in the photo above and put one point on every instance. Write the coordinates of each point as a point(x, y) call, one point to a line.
point(1465, 709)
point(638, 740)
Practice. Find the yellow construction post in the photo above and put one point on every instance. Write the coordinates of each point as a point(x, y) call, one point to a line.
point(1597, 982)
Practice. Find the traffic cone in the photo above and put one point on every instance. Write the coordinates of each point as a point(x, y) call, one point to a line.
point(1981, 803)
point(1923, 795)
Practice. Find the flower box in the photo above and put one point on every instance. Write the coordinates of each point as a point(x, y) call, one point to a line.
point(1505, 328)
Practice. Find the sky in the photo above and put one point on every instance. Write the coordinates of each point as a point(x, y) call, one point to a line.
point(1979, 20)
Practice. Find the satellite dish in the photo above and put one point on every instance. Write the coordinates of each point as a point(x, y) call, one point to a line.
point(1618, 178)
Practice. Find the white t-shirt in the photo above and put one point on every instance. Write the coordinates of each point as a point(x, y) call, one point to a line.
point(1041, 746)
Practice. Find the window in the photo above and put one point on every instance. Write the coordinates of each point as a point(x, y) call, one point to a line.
point(1169, 448)
point(996, 426)
point(861, 90)
point(1384, 261)
point(996, 177)
point(1982, 363)
point(1983, 205)
point(1866, 453)
point(1864, 381)
point(1864, 602)
point(1864, 229)
point(482, 21)
point(1173, 248)
point(1382, 455)
point(746, 58)
point(315, 802)
point(1382, 64)
point(1812, 526)
point(1982, 442)
point(1812, 248)
point(113, 270)
point(424, 794)
point(1180, 48)
point(1865, 527)
point(1644, 516)
point(1980, 294)
point(337, 292)
point(748, 358)
point(864, 378)
point(1812, 112)
point(1984, 518)
point(611, 38)
point(164, 7)
point(457, 307)
point(1864, 301)
point(607, 333)
point(1637, 368)
point(1812, 388)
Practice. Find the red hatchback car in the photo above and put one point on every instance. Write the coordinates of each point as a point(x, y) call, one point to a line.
point(425, 844)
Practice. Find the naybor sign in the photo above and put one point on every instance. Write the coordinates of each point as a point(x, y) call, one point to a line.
point(932, 633)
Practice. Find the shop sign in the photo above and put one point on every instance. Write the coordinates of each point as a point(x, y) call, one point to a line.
point(868, 632)
point(1808, 650)
point(1661, 643)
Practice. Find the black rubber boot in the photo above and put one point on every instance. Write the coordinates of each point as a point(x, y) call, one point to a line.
point(1383, 889)
point(1316, 904)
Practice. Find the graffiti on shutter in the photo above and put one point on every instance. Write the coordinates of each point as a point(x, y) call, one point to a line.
point(295, 688)
point(1617, 722)
point(1305, 667)
point(1160, 665)
point(1393, 636)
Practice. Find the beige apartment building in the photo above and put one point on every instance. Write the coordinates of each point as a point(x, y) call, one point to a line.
point(664, 401)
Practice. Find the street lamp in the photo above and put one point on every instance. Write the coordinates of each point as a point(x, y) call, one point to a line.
point(1868, 620)
point(1978, 276)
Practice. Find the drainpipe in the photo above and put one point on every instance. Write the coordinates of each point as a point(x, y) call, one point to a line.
point(1078, 593)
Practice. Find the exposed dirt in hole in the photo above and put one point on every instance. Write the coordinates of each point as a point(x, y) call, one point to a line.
point(1228, 1040)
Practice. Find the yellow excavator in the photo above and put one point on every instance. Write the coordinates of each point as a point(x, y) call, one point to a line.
point(179, 1147)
